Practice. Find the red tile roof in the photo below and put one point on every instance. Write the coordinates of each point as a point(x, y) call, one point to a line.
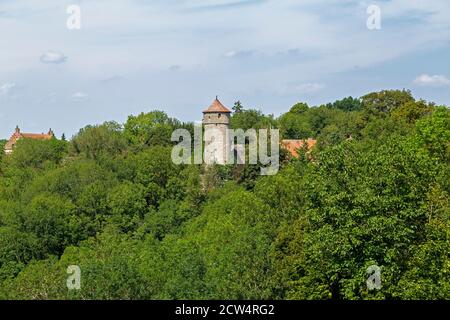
point(217, 106)
point(37, 136)
point(19, 135)
point(293, 145)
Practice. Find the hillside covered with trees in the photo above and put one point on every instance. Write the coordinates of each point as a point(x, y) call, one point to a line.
point(374, 191)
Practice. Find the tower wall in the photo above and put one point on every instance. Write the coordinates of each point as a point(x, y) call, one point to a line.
point(216, 118)
point(216, 137)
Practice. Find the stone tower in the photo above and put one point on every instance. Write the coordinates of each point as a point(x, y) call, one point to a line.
point(216, 121)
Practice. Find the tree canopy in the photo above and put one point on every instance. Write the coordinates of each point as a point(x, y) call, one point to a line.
point(374, 191)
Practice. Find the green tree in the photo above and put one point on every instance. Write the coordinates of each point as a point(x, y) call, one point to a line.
point(347, 104)
point(413, 111)
point(386, 101)
point(433, 133)
point(233, 236)
point(30, 153)
point(299, 108)
point(365, 208)
point(238, 107)
point(51, 219)
point(150, 129)
point(154, 167)
point(127, 205)
point(251, 119)
point(97, 141)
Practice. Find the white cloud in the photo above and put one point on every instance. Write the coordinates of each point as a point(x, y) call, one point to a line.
point(7, 88)
point(53, 57)
point(239, 54)
point(306, 88)
point(230, 54)
point(432, 81)
point(79, 96)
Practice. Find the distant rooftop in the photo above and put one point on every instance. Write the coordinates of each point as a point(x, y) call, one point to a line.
point(217, 106)
point(294, 145)
point(21, 135)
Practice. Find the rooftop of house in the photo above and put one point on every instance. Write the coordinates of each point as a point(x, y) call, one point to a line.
point(217, 106)
point(23, 135)
point(294, 145)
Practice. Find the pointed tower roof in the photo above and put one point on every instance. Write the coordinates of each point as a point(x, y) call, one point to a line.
point(217, 106)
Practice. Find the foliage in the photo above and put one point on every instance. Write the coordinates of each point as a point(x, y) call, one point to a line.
point(153, 128)
point(375, 191)
point(250, 119)
point(347, 104)
point(386, 101)
point(102, 140)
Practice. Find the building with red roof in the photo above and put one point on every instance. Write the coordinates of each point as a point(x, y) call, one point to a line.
point(17, 135)
point(293, 146)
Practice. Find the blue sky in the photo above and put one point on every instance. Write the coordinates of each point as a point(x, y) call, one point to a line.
point(176, 55)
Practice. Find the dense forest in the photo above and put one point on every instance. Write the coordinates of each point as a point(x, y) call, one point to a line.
point(374, 191)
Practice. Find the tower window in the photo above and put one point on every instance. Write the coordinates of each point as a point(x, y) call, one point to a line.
point(219, 115)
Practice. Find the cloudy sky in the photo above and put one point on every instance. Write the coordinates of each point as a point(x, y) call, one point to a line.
point(176, 55)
